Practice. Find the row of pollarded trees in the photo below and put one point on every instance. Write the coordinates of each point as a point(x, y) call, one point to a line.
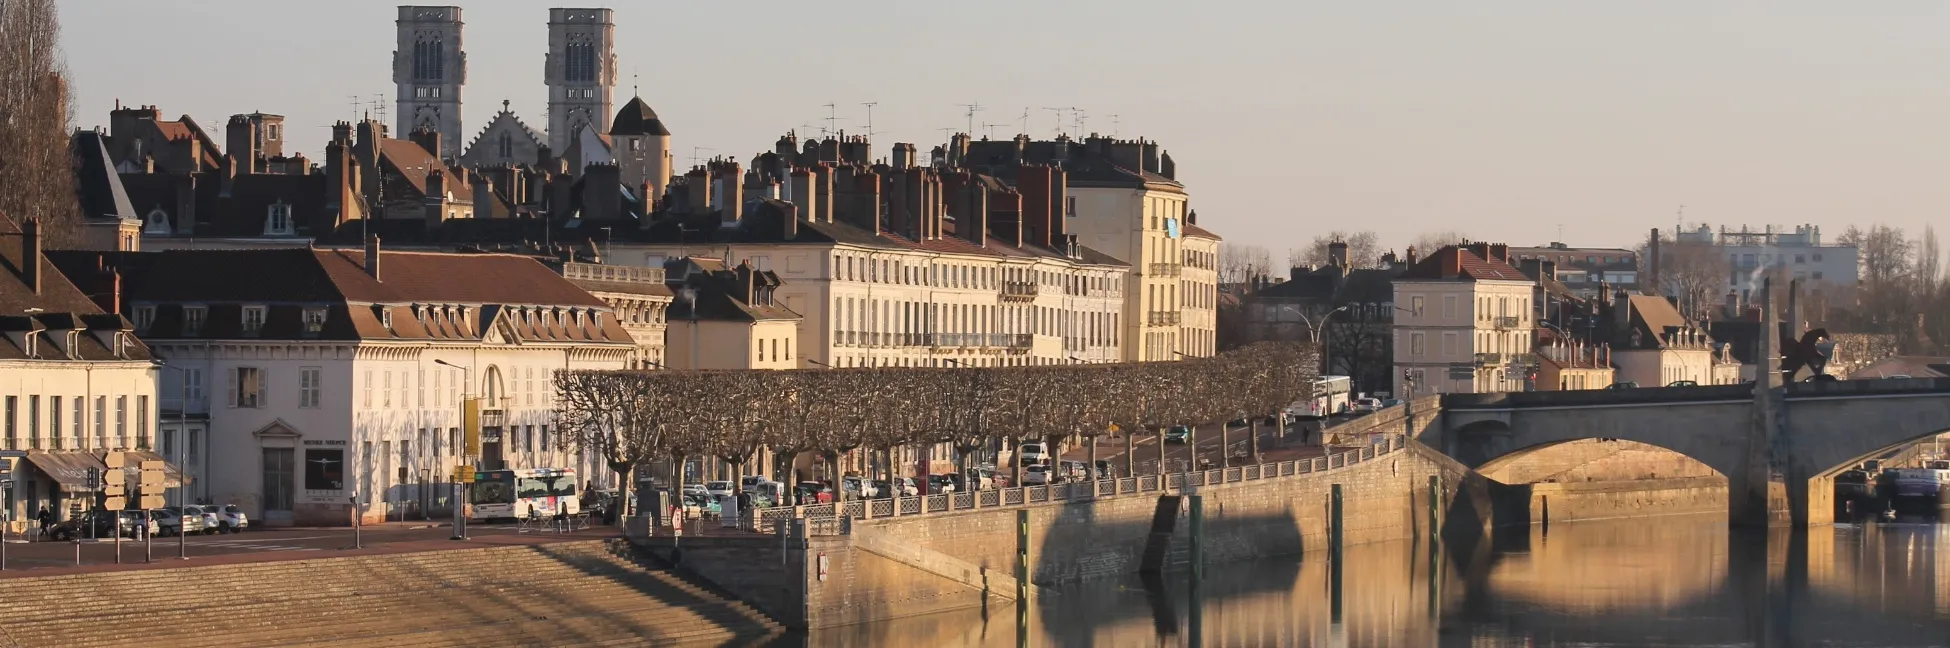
point(631, 418)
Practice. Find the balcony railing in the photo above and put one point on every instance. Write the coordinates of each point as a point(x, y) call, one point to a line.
point(1166, 269)
point(601, 272)
point(1506, 322)
point(1483, 359)
point(1019, 290)
point(1164, 318)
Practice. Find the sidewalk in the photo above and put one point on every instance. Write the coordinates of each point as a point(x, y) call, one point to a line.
point(134, 557)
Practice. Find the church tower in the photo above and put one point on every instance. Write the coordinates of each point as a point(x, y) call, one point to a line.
point(641, 146)
point(429, 68)
point(580, 70)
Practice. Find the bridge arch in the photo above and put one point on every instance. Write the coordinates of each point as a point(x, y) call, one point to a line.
point(1484, 438)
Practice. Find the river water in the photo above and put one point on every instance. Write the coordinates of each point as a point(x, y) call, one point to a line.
point(1674, 581)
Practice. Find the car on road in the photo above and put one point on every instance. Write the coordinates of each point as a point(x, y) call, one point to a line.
point(191, 523)
point(900, 487)
point(100, 523)
point(1072, 470)
point(230, 519)
point(1037, 475)
point(1178, 434)
point(860, 488)
point(812, 492)
point(210, 522)
point(1820, 378)
point(167, 523)
point(1031, 453)
point(716, 488)
point(1365, 405)
point(1624, 384)
point(1683, 383)
point(694, 489)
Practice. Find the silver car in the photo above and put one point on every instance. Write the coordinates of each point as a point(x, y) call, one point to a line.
point(211, 524)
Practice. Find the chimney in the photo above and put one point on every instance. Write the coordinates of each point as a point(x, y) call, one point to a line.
point(973, 203)
point(1452, 263)
point(1005, 216)
point(1410, 259)
point(789, 221)
point(803, 193)
point(30, 254)
point(185, 205)
point(108, 293)
point(372, 256)
point(342, 132)
point(1059, 197)
point(1166, 167)
point(787, 147)
point(1499, 252)
point(483, 196)
point(434, 204)
point(903, 156)
point(428, 139)
point(240, 138)
point(1622, 310)
point(700, 189)
point(822, 193)
point(1651, 282)
point(734, 194)
point(1151, 156)
point(226, 174)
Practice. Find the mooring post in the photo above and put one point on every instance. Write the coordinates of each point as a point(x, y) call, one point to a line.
point(1334, 538)
point(1022, 577)
point(1435, 510)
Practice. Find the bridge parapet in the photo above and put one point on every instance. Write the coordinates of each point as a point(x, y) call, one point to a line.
point(1872, 387)
point(1596, 397)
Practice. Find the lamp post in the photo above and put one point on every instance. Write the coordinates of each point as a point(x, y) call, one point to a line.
point(182, 453)
point(459, 495)
point(1326, 354)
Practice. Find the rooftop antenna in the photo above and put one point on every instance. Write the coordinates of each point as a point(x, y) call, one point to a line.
point(355, 106)
point(695, 150)
point(633, 79)
point(988, 130)
point(870, 105)
point(379, 107)
point(1113, 125)
point(832, 115)
point(1083, 119)
point(1059, 118)
point(972, 109)
point(1022, 123)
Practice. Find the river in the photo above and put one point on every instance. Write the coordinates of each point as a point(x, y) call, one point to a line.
point(1674, 581)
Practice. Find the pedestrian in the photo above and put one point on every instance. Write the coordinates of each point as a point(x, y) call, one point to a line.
point(46, 518)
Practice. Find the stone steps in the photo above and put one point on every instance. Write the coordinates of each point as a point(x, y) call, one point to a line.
point(575, 593)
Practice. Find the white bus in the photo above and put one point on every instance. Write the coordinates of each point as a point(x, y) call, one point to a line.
point(514, 494)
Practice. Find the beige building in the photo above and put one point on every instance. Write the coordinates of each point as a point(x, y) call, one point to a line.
point(1139, 217)
point(74, 380)
point(1465, 323)
point(1199, 292)
point(729, 318)
point(1654, 346)
point(1565, 367)
point(640, 299)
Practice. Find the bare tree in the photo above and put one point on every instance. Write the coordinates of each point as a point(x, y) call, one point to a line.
point(1886, 257)
point(1695, 272)
point(1239, 264)
point(1427, 243)
point(36, 169)
point(1363, 249)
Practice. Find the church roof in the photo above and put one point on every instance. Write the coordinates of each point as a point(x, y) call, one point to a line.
point(636, 118)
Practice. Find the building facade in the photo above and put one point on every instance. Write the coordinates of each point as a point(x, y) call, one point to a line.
point(580, 72)
point(329, 374)
point(1198, 293)
point(75, 382)
point(1582, 269)
point(1468, 325)
point(639, 298)
point(1776, 252)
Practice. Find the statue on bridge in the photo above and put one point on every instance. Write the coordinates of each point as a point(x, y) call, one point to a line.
point(1796, 354)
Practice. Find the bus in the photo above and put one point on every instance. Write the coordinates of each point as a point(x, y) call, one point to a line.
point(514, 494)
point(1330, 396)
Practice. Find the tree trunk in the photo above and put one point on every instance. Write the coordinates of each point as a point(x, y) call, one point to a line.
point(1015, 460)
point(1091, 468)
point(1160, 436)
point(1225, 444)
point(1252, 442)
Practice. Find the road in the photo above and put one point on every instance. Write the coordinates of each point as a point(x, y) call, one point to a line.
point(297, 542)
point(1207, 437)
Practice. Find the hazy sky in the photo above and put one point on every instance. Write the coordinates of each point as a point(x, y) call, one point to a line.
point(1500, 119)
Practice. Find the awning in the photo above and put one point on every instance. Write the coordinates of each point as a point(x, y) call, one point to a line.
point(70, 469)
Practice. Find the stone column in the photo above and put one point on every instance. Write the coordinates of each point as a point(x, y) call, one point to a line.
point(1758, 492)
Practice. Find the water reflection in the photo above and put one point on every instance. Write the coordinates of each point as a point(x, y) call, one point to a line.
point(1681, 581)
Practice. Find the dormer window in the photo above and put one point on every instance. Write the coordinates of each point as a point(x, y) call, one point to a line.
point(314, 321)
point(253, 320)
point(74, 345)
point(385, 316)
point(278, 220)
point(156, 221)
point(193, 319)
point(144, 316)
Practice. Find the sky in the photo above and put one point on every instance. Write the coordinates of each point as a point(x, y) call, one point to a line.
point(1504, 120)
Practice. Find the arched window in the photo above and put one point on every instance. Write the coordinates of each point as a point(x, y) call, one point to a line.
point(491, 389)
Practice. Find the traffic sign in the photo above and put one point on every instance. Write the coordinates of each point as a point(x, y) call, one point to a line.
point(115, 503)
point(114, 459)
point(470, 425)
point(153, 501)
point(151, 476)
point(464, 474)
point(94, 479)
point(12, 454)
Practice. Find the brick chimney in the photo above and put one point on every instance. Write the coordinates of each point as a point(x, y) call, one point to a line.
point(427, 138)
point(372, 257)
point(435, 201)
point(30, 254)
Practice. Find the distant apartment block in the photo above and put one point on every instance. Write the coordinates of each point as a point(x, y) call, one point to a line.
point(1799, 254)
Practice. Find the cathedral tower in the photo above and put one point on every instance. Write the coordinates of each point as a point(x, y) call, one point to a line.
point(429, 68)
point(580, 70)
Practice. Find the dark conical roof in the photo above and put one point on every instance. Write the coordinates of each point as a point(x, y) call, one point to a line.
point(636, 118)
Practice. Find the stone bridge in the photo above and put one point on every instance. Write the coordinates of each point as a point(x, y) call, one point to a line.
point(1778, 447)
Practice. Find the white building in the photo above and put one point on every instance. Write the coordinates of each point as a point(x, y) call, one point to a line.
point(323, 375)
point(74, 380)
point(1464, 322)
point(1774, 251)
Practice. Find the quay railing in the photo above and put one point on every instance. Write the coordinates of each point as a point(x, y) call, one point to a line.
point(827, 518)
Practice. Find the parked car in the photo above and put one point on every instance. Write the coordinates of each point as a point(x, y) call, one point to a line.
point(1072, 470)
point(210, 522)
point(718, 487)
point(860, 488)
point(812, 492)
point(1365, 405)
point(1106, 470)
point(940, 484)
point(983, 479)
point(693, 489)
point(1820, 378)
point(101, 523)
point(1624, 384)
point(167, 523)
point(1390, 402)
point(190, 523)
point(1038, 475)
point(749, 481)
point(1031, 453)
point(1177, 434)
point(900, 487)
point(230, 519)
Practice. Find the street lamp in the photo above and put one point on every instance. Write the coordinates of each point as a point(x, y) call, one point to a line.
point(689, 293)
point(1326, 357)
point(467, 392)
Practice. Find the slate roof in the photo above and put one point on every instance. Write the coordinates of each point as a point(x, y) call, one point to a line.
point(97, 185)
point(636, 118)
point(48, 316)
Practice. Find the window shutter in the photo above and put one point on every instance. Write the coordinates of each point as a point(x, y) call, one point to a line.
point(230, 388)
point(263, 386)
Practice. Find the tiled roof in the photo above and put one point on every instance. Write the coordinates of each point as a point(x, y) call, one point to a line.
point(1656, 313)
point(47, 317)
point(413, 162)
point(1194, 230)
point(417, 290)
point(57, 295)
point(1456, 262)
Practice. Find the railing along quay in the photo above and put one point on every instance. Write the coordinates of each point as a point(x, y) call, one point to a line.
point(825, 519)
